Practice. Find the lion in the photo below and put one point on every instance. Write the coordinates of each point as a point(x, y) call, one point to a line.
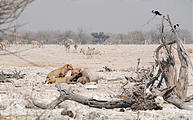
point(61, 80)
point(81, 79)
point(190, 50)
point(75, 71)
point(60, 72)
point(70, 75)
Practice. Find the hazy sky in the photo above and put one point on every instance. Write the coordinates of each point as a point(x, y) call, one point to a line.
point(115, 16)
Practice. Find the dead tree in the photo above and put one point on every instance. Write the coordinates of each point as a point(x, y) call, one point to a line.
point(169, 70)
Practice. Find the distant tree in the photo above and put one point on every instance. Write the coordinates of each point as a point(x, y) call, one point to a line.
point(99, 37)
point(154, 36)
point(137, 37)
point(68, 34)
point(186, 36)
point(121, 38)
point(80, 35)
point(10, 10)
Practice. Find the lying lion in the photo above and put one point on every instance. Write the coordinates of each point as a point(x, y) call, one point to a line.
point(60, 72)
point(70, 80)
point(190, 50)
point(66, 74)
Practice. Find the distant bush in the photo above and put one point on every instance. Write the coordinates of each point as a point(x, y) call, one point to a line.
point(81, 37)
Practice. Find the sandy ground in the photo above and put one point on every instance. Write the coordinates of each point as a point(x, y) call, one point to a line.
point(36, 63)
point(119, 56)
point(114, 56)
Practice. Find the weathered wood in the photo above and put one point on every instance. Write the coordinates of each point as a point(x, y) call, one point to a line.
point(163, 37)
point(167, 67)
point(169, 72)
point(189, 98)
point(170, 97)
point(152, 81)
point(179, 42)
point(139, 100)
point(175, 100)
point(67, 95)
point(182, 81)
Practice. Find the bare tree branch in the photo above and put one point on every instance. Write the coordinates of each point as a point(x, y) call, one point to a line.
point(10, 10)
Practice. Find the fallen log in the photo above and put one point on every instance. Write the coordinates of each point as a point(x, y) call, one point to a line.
point(138, 102)
point(175, 100)
point(67, 95)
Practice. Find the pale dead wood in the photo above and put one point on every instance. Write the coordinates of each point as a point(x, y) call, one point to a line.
point(189, 98)
point(132, 103)
point(182, 82)
point(169, 72)
point(175, 100)
point(68, 95)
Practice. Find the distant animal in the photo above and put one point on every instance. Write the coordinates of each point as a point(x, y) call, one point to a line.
point(96, 52)
point(36, 43)
point(67, 43)
point(75, 46)
point(42, 42)
point(4, 44)
point(60, 43)
point(82, 50)
point(70, 41)
point(67, 46)
point(90, 51)
point(17, 42)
